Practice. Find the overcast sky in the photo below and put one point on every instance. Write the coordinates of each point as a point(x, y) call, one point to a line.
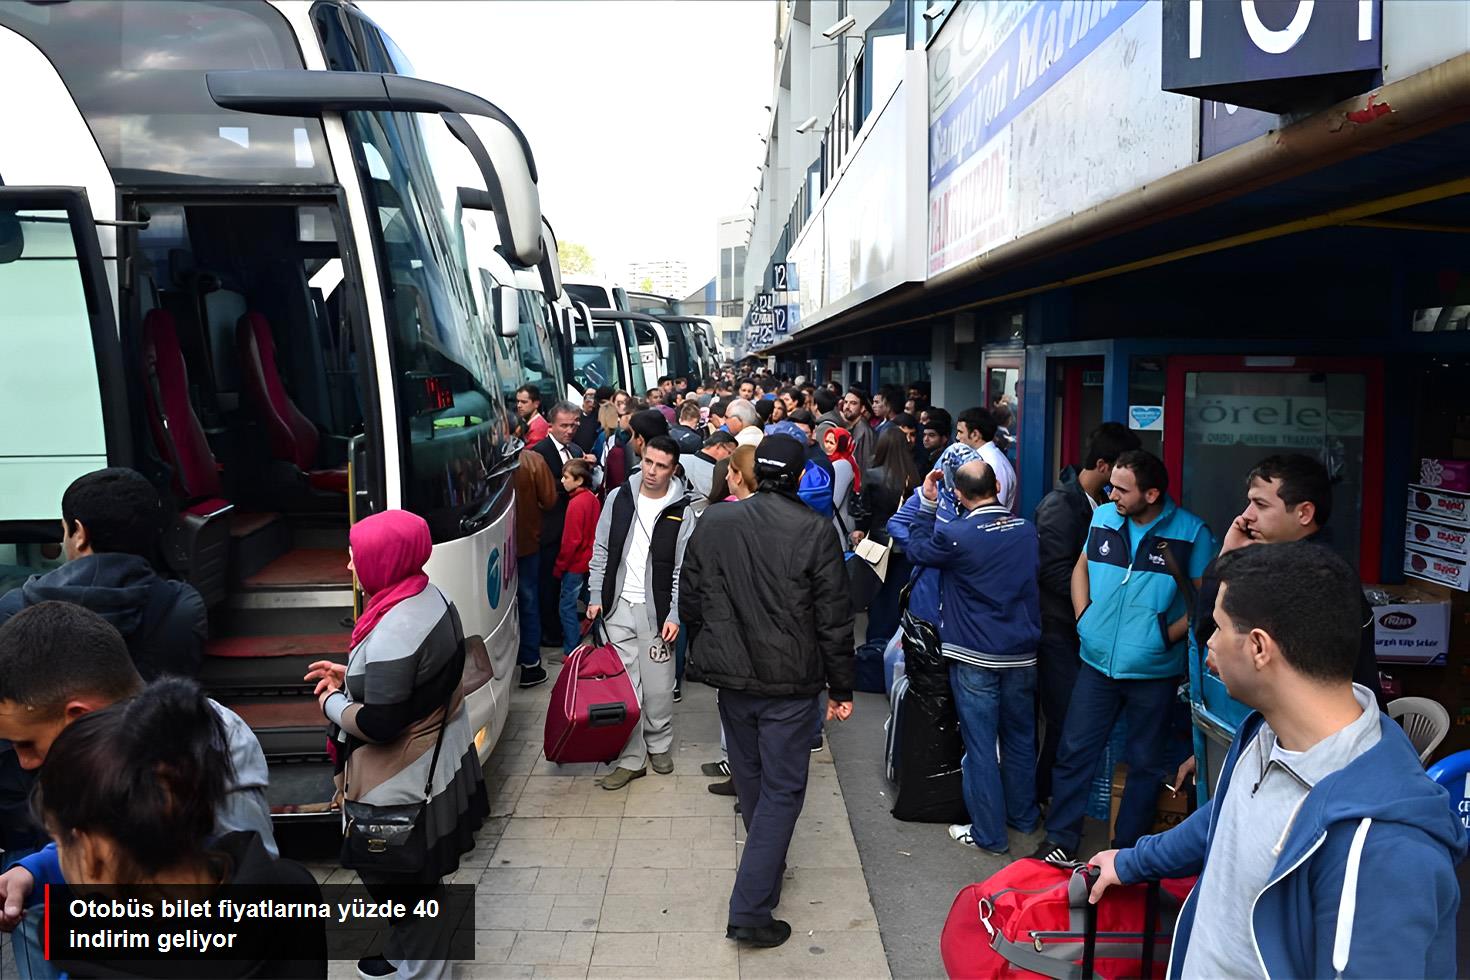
point(645, 117)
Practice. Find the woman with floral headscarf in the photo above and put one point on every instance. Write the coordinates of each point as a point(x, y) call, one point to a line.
point(400, 686)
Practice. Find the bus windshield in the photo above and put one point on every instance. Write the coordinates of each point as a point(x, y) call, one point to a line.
point(447, 379)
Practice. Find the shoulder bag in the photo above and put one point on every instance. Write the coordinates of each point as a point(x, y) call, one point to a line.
point(391, 838)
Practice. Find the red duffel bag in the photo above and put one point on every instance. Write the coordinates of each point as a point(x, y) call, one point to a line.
point(1032, 919)
point(593, 706)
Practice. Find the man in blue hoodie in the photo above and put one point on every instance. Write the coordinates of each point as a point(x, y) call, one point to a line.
point(1321, 803)
point(990, 622)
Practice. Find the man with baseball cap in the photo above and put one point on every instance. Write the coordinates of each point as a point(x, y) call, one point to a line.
point(770, 657)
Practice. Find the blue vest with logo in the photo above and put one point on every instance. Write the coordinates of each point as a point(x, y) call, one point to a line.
point(1133, 597)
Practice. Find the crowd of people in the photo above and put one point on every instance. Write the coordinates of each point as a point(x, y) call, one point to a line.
point(711, 529)
point(1057, 627)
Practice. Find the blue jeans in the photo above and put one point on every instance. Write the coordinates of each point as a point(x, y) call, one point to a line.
point(991, 704)
point(528, 572)
point(1097, 700)
point(571, 619)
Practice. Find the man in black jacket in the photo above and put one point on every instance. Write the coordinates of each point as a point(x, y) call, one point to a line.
point(764, 594)
point(1061, 523)
point(557, 448)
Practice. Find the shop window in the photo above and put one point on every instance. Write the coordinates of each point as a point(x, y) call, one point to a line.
point(1234, 419)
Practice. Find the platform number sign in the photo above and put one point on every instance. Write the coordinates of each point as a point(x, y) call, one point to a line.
point(783, 277)
point(780, 321)
point(767, 336)
point(764, 302)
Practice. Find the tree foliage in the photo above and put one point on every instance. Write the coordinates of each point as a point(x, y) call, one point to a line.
point(575, 259)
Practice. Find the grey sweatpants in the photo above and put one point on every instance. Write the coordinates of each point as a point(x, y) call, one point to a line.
point(629, 632)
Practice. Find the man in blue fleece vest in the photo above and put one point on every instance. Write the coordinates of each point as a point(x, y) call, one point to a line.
point(1131, 624)
point(1322, 803)
point(989, 625)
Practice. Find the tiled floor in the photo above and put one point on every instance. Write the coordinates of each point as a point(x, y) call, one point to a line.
point(576, 881)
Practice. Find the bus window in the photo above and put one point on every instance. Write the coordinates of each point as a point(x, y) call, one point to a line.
point(594, 296)
point(595, 363)
point(50, 399)
point(535, 360)
point(451, 412)
point(638, 374)
point(133, 69)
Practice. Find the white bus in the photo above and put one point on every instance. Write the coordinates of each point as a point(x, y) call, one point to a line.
point(639, 346)
point(233, 255)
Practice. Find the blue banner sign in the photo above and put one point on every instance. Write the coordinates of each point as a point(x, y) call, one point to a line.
point(1049, 41)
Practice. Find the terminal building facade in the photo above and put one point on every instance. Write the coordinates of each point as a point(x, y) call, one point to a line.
point(1238, 228)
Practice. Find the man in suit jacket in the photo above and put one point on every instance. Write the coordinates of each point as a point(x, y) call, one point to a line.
point(557, 448)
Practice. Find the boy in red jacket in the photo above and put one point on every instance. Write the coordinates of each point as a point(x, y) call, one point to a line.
point(583, 511)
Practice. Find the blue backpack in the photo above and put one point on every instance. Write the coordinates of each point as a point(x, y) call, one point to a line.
point(815, 489)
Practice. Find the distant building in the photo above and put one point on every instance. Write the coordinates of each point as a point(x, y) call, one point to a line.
point(733, 238)
point(667, 277)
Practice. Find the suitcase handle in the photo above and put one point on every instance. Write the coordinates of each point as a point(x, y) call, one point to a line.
point(596, 629)
point(603, 715)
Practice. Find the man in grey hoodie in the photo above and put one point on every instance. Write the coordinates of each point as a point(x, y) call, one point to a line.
point(634, 578)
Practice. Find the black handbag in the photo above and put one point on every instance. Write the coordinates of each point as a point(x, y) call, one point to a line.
point(391, 839)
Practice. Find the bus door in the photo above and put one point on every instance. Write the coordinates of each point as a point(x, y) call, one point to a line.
point(63, 398)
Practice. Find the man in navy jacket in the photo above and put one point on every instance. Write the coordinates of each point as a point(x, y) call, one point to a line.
point(989, 625)
point(1321, 806)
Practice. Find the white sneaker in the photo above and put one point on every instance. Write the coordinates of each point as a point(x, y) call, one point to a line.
point(961, 832)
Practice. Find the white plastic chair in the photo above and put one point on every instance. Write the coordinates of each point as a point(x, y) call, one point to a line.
point(1425, 721)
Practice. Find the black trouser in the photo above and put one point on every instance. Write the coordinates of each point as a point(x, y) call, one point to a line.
point(550, 598)
point(1058, 657)
point(769, 742)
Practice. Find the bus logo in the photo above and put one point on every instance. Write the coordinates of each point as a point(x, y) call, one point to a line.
point(492, 579)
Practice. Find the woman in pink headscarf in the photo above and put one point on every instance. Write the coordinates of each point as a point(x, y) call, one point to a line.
point(400, 688)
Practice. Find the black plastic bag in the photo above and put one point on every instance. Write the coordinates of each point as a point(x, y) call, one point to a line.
point(930, 783)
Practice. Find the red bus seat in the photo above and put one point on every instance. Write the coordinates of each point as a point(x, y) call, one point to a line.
point(291, 434)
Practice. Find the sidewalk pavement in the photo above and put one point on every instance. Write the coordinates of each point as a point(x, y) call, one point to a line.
point(577, 881)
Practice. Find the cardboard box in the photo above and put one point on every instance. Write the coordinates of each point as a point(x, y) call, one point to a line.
point(1413, 629)
point(1441, 506)
point(1169, 812)
point(1437, 568)
point(1445, 474)
point(1453, 542)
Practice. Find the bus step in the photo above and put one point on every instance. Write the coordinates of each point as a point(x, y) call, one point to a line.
point(289, 729)
point(301, 791)
point(228, 678)
point(303, 568)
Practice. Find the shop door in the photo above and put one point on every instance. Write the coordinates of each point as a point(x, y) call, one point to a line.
point(1222, 415)
point(1077, 408)
point(1003, 391)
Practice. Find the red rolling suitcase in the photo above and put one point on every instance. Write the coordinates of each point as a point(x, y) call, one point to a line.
point(593, 706)
point(1032, 919)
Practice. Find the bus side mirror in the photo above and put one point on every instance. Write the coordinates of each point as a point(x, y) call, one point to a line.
point(507, 311)
point(550, 265)
point(12, 240)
